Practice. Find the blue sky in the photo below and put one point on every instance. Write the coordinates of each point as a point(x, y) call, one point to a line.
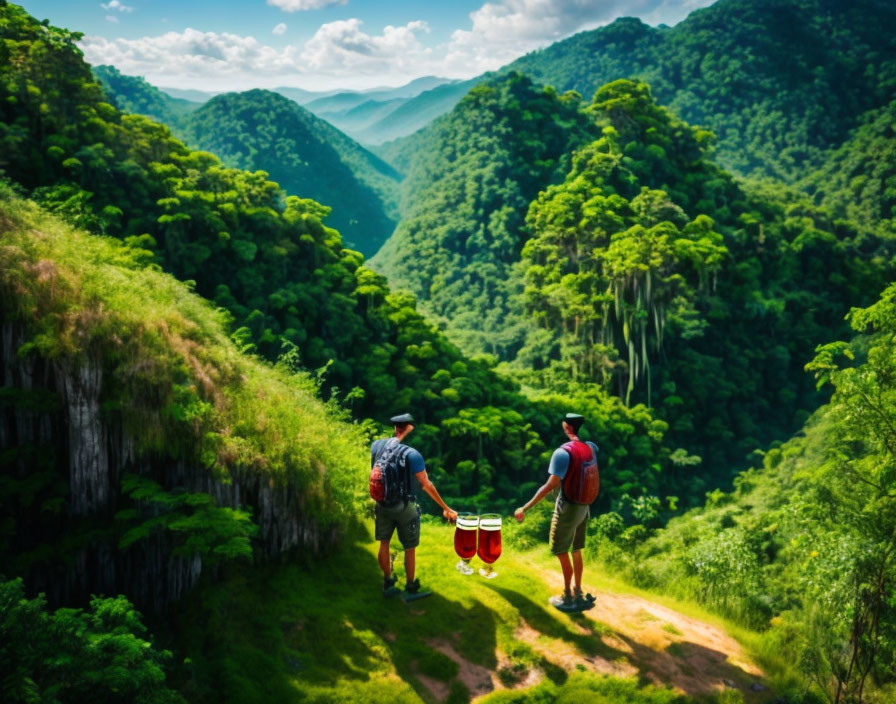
point(324, 44)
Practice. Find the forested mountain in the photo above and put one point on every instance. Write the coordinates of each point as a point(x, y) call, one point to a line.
point(261, 130)
point(134, 94)
point(287, 281)
point(465, 201)
point(375, 121)
point(648, 270)
point(760, 74)
point(858, 179)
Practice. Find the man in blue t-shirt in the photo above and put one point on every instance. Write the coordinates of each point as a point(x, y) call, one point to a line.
point(404, 516)
point(568, 522)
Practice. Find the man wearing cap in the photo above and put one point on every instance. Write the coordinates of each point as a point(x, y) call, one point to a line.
point(405, 515)
point(570, 519)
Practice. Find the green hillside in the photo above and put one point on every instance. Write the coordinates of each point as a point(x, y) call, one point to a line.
point(857, 180)
point(804, 545)
point(135, 95)
point(755, 73)
point(649, 270)
point(261, 130)
point(464, 201)
point(305, 155)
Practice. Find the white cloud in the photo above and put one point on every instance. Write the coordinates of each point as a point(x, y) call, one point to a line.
point(342, 48)
point(116, 5)
point(191, 57)
point(502, 31)
point(297, 5)
point(343, 54)
point(112, 18)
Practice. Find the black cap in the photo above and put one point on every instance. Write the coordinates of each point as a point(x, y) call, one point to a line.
point(574, 420)
point(402, 419)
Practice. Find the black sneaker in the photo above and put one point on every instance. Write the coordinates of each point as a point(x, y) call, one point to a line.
point(389, 588)
point(412, 587)
point(583, 602)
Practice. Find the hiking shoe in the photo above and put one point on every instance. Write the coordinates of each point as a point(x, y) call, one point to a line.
point(564, 603)
point(583, 602)
point(412, 587)
point(389, 588)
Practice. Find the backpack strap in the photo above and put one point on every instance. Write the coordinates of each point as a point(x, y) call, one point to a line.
point(405, 466)
point(379, 453)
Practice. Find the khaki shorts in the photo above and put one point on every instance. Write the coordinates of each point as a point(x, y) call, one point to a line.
point(568, 526)
point(405, 517)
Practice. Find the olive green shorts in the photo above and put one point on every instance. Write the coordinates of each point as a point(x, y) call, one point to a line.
point(568, 526)
point(404, 517)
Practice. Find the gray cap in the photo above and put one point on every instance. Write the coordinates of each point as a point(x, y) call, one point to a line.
point(402, 419)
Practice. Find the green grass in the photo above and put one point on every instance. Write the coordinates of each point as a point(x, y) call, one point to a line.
point(322, 632)
point(170, 369)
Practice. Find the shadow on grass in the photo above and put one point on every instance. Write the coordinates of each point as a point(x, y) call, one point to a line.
point(557, 626)
point(268, 633)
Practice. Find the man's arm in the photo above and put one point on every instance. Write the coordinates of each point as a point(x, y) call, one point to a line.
point(430, 489)
point(552, 483)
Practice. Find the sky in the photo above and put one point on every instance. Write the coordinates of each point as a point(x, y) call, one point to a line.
point(218, 45)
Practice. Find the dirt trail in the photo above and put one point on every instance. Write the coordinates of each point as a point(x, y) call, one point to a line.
point(668, 648)
point(624, 636)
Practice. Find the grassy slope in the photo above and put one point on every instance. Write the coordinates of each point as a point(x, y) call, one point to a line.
point(170, 365)
point(323, 633)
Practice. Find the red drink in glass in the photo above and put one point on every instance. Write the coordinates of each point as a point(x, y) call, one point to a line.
point(489, 542)
point(464, 541)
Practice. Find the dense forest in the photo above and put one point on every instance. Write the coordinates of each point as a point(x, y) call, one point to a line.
point(647, 270)
point(698, 256)
point(759, 74)
point(262, 130)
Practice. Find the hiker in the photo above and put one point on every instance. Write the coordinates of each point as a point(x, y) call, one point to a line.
point(573, 468)
point(392, 464)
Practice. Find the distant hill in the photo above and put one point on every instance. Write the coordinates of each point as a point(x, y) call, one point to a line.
point(858, 179)
point(196, 96)
point(346, 100)
point(759, 73)
point(133, 94)
point(263, 130)
point(375, 118)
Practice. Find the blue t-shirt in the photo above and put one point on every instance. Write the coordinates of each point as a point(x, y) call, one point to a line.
point(415, 459)
point(560, 460)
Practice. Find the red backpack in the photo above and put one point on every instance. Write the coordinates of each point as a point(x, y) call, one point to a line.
point(581, 485)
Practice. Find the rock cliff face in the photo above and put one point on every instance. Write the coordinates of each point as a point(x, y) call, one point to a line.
point(87, 447)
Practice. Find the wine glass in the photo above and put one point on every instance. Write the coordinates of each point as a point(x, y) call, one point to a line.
point(489, 542)
point(465, 540)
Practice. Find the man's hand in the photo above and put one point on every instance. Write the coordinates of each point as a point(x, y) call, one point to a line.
point(519, 514)
point(450, 516)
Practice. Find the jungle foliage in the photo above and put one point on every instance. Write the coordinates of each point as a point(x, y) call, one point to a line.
point(644, 269)
point(285, 279)
point(804, 546)
point(262, 130)
point(759, 74)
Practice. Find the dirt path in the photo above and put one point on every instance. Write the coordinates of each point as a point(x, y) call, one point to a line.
point(624, 635)
point(643, 638)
